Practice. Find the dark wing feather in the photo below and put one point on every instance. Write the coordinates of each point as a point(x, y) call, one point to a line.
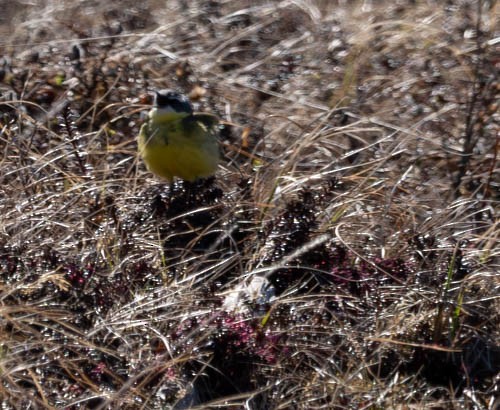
point(209, 121)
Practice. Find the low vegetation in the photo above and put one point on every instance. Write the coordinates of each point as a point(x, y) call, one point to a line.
point(346, 254)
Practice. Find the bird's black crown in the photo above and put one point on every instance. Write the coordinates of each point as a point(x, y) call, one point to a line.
point(172, 99)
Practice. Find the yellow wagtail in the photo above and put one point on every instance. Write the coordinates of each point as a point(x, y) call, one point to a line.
point(176, 142)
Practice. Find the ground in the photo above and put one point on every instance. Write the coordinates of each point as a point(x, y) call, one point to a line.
point(359, 191)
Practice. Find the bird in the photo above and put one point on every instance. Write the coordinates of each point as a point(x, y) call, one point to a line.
point(176, 142)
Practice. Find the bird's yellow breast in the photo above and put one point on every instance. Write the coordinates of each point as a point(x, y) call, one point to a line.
point(173, 145)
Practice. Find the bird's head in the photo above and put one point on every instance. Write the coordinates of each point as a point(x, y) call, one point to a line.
point(172, 101)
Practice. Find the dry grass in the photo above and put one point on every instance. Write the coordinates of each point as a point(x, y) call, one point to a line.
point(360, 180)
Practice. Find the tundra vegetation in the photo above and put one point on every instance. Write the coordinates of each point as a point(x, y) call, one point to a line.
point(346, 254)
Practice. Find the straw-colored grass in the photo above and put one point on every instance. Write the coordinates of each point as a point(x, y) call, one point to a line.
point(346, 254)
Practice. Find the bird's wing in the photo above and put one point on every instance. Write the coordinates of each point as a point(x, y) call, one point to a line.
point(209, 121)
